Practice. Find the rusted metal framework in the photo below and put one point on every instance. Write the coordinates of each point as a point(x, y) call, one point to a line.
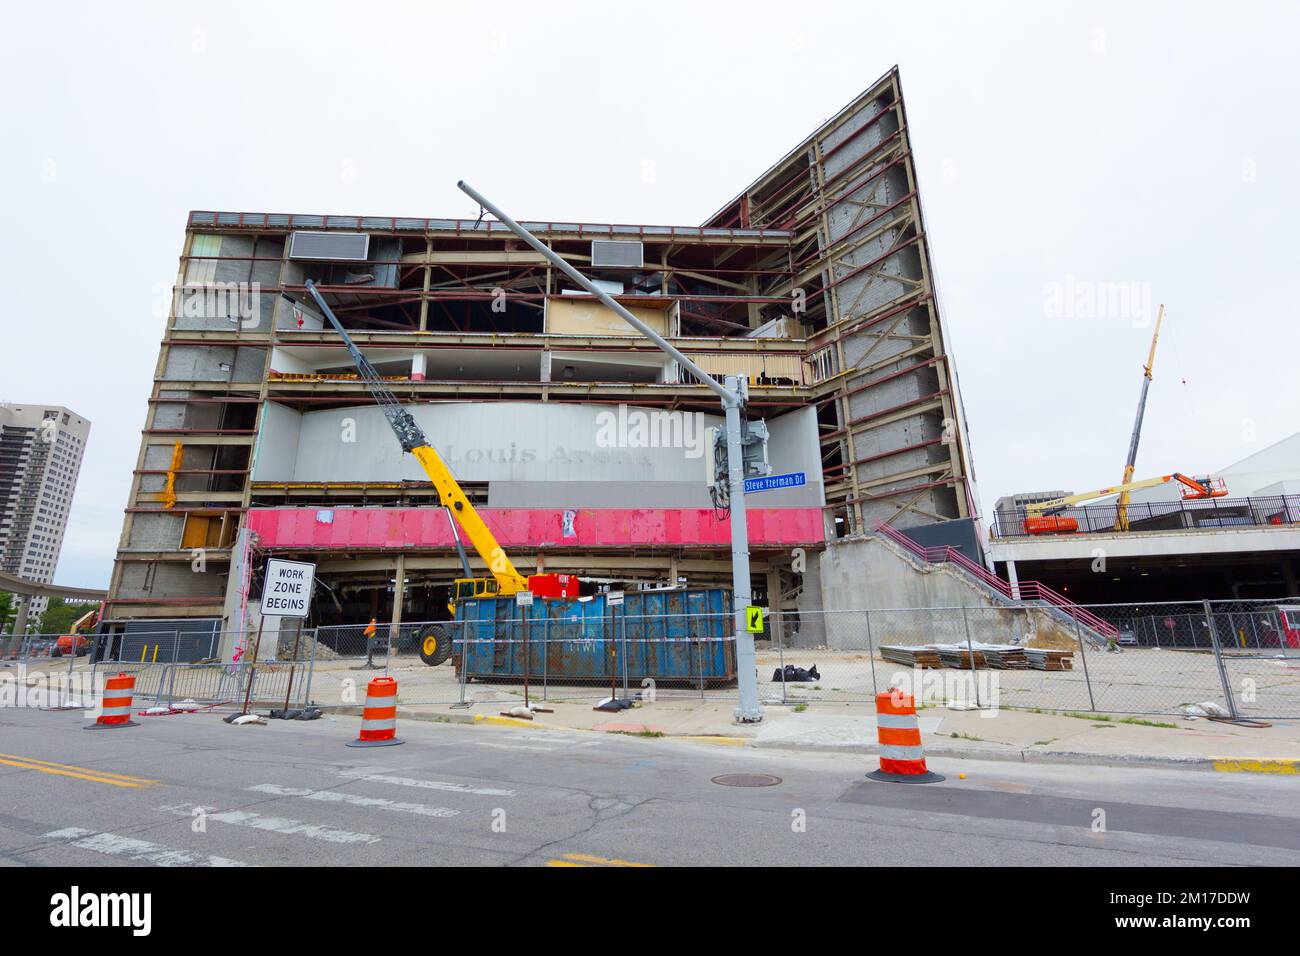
point(893, 430)
point(828, 246)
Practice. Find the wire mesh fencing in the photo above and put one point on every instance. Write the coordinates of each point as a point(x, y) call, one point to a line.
point(567, 656)
point(1229, 657)
point(1235, 658)
point(1239, 658)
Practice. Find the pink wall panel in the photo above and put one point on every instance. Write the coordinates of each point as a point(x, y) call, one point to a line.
point(521, 527)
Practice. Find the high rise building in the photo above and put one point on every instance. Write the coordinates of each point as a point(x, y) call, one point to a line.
point(41, 448)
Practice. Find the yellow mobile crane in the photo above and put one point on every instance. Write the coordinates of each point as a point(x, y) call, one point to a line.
point(435, 645)
point(1041, 516)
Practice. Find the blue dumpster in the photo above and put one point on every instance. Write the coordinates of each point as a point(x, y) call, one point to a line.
point(682, 636)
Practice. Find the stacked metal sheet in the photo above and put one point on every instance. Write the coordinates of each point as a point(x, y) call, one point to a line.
point(1047, 659)
point(1004, 656)
point(911, 655)
point(959, 656)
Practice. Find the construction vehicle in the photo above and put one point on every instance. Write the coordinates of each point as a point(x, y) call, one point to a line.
point(1042, 517)
point(1288, 616)
point(434, 642)
point(76, 641)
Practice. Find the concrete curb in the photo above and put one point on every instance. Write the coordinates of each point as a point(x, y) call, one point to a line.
point(1276, 766)
point(355, 710)
point(1271, 766)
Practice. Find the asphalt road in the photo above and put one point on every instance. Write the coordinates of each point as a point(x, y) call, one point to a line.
point(191, 790)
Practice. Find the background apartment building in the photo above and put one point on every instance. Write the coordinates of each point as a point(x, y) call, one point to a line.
point(41, 447)
point(814, 283)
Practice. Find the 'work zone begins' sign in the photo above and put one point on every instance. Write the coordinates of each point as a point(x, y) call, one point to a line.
point(287, 592)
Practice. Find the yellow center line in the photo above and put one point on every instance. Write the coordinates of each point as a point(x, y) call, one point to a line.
point(72, 766)
point(562, 863)
point(71, 770)
point(584, 858)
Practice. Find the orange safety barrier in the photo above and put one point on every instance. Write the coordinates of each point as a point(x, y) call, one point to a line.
point(115, 706)
point(379, 719)
point(898, 731)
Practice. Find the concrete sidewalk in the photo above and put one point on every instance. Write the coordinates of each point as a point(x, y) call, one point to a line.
point(1000, 735)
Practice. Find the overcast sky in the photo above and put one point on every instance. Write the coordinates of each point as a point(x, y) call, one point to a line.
point(1058, 148)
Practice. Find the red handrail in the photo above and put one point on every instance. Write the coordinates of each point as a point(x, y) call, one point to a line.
point(1027, 590)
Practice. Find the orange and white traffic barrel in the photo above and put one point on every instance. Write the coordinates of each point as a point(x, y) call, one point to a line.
point(115, 705)
point(379, 719)
point(902, 759)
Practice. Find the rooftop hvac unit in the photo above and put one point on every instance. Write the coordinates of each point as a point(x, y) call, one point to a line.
point(612, 254)
point(330, 246)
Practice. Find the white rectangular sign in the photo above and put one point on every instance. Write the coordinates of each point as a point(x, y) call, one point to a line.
point(523, 599)
point(287, 591)
point(614, 598)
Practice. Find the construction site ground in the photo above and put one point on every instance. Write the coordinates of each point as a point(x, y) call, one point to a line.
point(1041, 715)
point(1135, 681)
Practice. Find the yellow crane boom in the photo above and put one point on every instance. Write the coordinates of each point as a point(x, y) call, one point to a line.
point(1121, 512)
point(508, 580)
point(1199, 489)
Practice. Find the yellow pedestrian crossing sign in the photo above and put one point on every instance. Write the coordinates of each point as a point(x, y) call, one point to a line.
point(754, 619)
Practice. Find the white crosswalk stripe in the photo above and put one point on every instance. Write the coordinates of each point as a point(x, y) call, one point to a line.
point(378, 776)
point(113, 844)
point(245, 818)
point(355, 800)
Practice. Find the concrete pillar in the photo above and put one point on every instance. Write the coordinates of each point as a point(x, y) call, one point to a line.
point(21, 604)
point(236, 623)
point(775, 625)
point(812, 619)
point(399, 599)
point(268, 646)
point(1014, 581)
point(419, 366)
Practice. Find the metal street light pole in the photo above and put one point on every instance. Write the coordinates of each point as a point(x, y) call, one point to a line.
point(733, 401)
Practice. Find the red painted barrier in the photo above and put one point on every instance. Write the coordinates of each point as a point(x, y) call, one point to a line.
point(326, 528)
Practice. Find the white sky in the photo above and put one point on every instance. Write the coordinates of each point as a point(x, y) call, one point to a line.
point(1155, 143)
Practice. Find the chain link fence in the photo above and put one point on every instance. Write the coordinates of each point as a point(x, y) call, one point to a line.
point(170, 668)
point(1240, 658)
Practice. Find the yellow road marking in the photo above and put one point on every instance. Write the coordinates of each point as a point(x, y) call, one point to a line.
point(561, 863)
point(584, 858)
point(80, 773)
point(70, 766)
point(716, 739)
point(1282, 765)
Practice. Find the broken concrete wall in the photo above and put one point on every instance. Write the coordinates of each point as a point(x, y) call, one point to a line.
point(142, 579)
point(156, 532)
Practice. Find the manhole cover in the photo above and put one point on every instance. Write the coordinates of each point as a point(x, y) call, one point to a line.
point(747, 780)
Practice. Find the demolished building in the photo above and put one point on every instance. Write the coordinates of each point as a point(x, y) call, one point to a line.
point(582, 444)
